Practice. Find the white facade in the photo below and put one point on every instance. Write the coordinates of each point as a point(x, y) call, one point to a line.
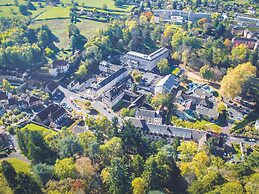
point(146, 62)
point(166, 85)
point(59, 69)
point(257, 124)
point(114, 101)
point(107, 67)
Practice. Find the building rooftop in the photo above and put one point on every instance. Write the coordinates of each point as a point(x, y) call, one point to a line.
point(168, 82)
point(52, 85)
point(147, 113)
point(58, 63)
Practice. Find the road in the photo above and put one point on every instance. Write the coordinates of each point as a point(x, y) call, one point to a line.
point(99, 106)
point(239, 140)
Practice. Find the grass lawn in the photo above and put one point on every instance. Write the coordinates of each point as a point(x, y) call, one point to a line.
point(9, 11)
point(88, 28)
point(32, 126)
point(20, 166)
point(99, 4)
point(54, 13)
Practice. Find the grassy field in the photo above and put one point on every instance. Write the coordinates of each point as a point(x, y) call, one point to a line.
point(20, 166)
point(9, 11)
point(99, 4)
point(54, 13)
point(32, 126)
point(59, 27)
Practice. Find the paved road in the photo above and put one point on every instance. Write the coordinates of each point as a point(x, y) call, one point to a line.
point(240, 140)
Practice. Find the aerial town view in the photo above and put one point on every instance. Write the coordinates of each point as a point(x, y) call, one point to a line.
point(129, 97)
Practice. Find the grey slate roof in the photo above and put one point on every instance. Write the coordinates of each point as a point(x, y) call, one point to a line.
point(147, 113)
point(112, 77)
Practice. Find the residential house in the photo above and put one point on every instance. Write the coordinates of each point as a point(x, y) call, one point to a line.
point(251, 10)
point(249, 34)
point(243, 20)
point(50, 115)
point(22, 104)
point(58, 67)
point(198, 103)
point(34, 101)
point(142, 61)
point(150, 116)
point(51, 87)
point(249, 42)
point(113, 96)
point(111, 81)
point(180, 16)
point(257, 124)
point(167, 84)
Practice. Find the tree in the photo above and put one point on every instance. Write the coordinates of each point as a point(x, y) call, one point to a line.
point(240, 53)
point(26, 184)
point(49, 53)
point(117, 179)
point(251, 185)
point(6, 85)
point(86, 139)
point(232, 188)
point(251, 88)
point(161, 100)
point(221, 108)
point(163, 66)
point(151, 174)
point(65, 168)
point(138, 185)
point(85, 168)
point(137, 165)
point(23, 9)
point(137, 76)
point(43, 172)
point(69, 146)
point(9, 173)
point(187, 150)
point(232, 83)
point(206, 72)
point(126, 112)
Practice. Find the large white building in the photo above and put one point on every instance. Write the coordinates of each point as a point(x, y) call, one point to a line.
point(58, 66)
point(174, 15)
point(167, 84)
point(143, 61)
point(113, 96)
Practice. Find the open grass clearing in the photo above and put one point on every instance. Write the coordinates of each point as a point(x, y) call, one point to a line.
point(54, 13)
point(20, 165)
point(88, 28)
point(33, 126)
point(100, 4)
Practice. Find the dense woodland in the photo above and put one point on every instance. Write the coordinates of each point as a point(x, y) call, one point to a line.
point(110, 160)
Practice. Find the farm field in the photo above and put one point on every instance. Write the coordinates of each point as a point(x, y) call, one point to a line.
point(59, 27)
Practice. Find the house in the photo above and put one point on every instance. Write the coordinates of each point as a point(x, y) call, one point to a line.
point(3, 96)
point(51, 87)
point(142, 61)
point(257, 124)
point(168, 133)
point(167, 84)
point(251, 10)
point(50, 115)
point(12, 103)
point(180, 16)
point(249, 42)
point(22, 104)
point(107, 67)
point(243, 20)
point(111, 81)
point(113, 96)
point(248, 34)
point(198, 103)
point(150, 116)
point(34, 101)
point(58, 67)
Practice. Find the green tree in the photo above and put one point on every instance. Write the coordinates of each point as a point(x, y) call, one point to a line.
point(65, 168)
point(26, 184)
point(69, 146)
point(137, 165)
point(138, 185)
point(43, 172)
point(9, 173)
point(232, 188)
point(163, 66)
point(6, 85)
point(251, 185)
point(187, 150)
point(240, 54)
point(206, 72)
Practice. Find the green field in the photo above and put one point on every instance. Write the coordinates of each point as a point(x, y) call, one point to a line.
point(100, 3)
point(54, 13)
point(59, 27)
point(32, 126)
point(9, 11)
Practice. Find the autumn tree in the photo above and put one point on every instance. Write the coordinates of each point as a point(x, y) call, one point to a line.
point(240, 53)
point(65, 168)
point(232, 83)
point(138, 185)
point(163, 66)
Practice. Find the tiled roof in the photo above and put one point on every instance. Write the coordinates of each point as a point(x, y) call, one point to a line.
point(112, 77)
point(147, 113)
point(58, 63)
point(53, 110)
point(52, 85)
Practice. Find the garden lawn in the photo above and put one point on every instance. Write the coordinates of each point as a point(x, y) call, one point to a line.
point(32, 126)
point(9, 11)
point(88, 28)
point(20, 165)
